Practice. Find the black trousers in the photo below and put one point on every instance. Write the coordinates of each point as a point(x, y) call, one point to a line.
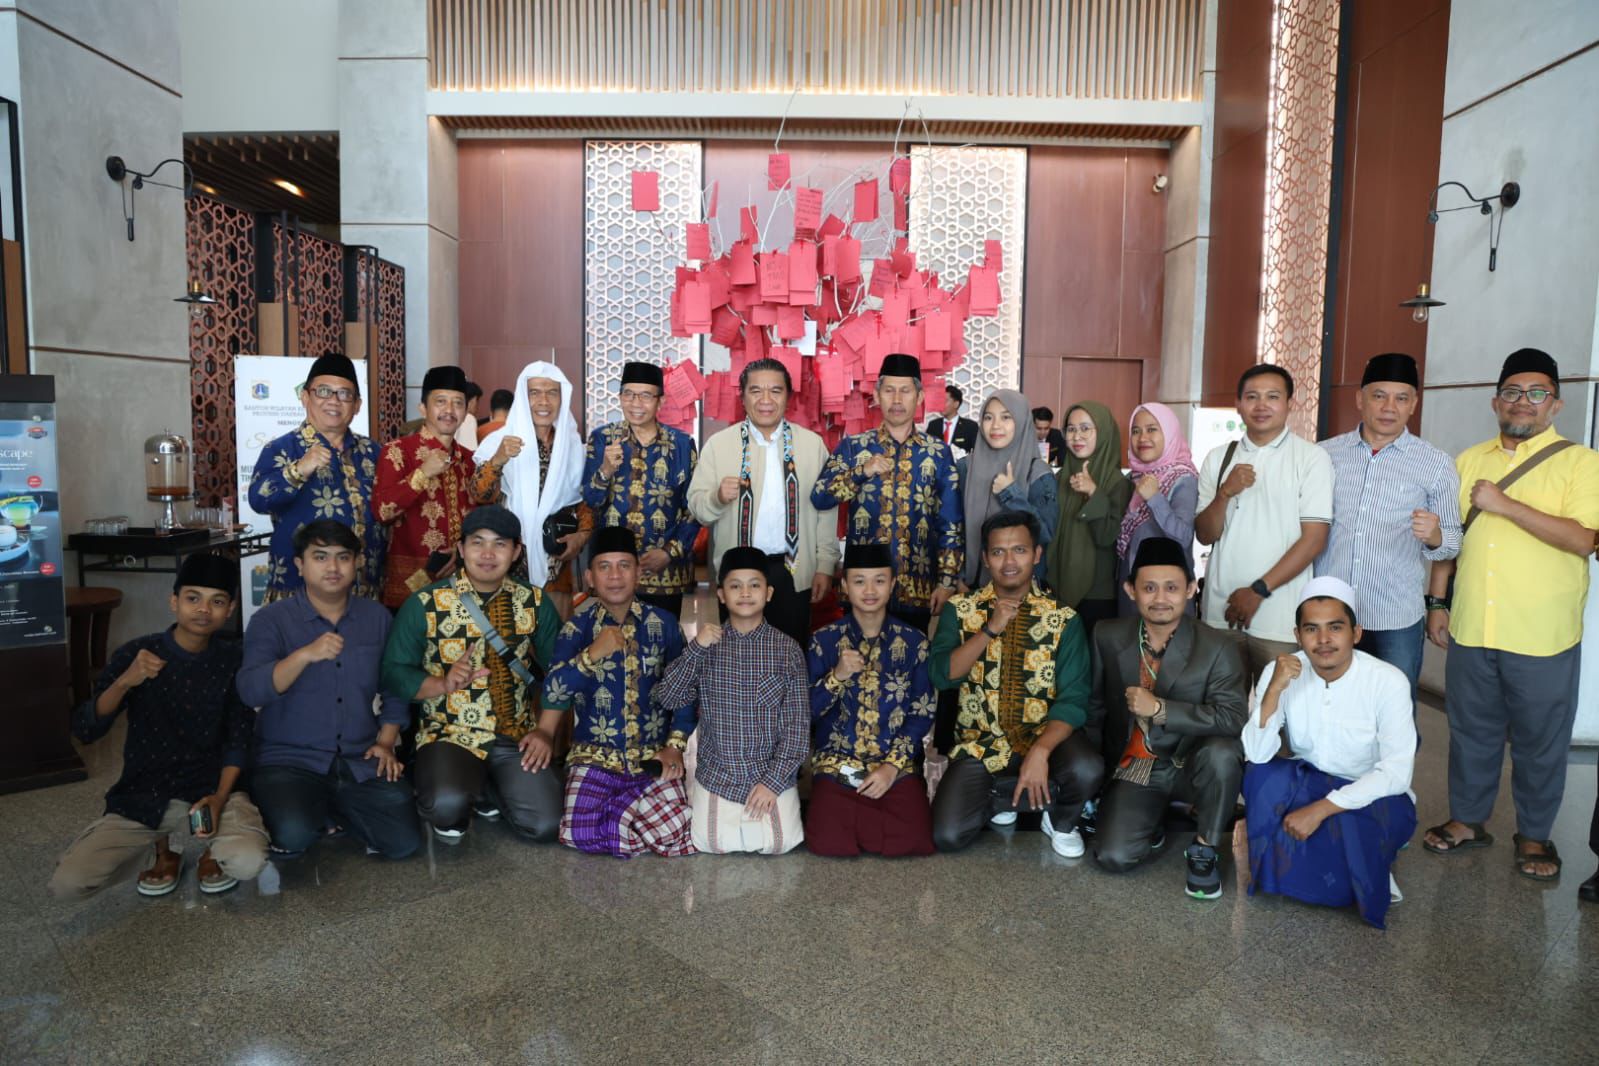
point(1130, 815)
point(449, 779)
point(672, 605)
point(298, 804)
point(790, 609)
point(969, 795)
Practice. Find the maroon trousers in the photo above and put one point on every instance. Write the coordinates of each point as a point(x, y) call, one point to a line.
point(841, 821)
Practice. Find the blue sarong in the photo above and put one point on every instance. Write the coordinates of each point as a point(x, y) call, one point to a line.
point(1346, 861)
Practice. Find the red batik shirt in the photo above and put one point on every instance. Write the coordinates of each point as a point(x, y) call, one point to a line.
point(423, 514)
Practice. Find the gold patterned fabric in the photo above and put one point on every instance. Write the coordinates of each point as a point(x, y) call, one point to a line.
point(1037, 671)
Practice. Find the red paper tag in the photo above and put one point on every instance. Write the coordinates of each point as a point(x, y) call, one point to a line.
point(807, 209)
point(741, 266)
point(865, 201)
point(777, 170)
point(646, 190)
point(697, 237)
point(747, 229)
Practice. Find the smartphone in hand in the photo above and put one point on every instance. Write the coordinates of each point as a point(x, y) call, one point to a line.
point(200, 819)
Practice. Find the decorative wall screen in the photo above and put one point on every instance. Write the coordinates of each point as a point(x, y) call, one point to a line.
point(1304, 87)
point(961, 197)
point(221, 254)
point(630, 262)
point(309, 272)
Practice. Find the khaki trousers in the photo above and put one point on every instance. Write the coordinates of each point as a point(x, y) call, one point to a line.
point(114, 848)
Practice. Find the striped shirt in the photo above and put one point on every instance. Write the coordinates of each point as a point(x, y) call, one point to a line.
point(1371, 545)
point(753, 692)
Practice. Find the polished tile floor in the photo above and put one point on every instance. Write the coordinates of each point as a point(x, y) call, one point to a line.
point(498, 951)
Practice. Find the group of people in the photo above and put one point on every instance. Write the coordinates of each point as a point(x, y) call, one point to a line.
point(422, 664)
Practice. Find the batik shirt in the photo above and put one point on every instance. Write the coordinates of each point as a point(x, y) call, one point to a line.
point(433, 630)
point(915, 508)
point(617, 726)
point(880, 715)
point(342, 490)
point(423, 514)
point(1035, 673)
point(649, 495)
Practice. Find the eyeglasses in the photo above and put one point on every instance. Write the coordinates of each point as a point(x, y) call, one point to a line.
point(328, 392)
point(1536, 397)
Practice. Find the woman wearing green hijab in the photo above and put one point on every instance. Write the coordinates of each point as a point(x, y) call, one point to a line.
point(1093, 497)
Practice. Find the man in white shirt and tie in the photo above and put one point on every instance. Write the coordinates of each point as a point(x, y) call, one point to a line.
point(1327, 821)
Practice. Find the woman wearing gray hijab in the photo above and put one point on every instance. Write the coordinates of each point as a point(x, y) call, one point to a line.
point(1004, 472)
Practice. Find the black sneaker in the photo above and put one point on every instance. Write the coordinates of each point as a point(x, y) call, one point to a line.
point(1088, 821)
point(486, 809)
point(1204, 871)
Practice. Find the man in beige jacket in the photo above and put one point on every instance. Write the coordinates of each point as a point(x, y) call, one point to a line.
point(752, 488)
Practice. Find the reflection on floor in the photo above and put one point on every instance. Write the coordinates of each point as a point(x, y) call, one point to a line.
point(500, 951)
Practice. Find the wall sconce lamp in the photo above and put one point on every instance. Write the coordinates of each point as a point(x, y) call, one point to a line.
point(197, 299)
point(1508, 196)
point(118, 172)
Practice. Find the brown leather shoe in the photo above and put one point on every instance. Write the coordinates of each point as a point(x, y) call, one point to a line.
point(212, 878)
point(162, 876)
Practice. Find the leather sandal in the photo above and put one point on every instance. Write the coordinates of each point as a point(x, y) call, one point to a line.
point(162, 877)
point(1480, 838)
point(212, 877)
point(1525, 858)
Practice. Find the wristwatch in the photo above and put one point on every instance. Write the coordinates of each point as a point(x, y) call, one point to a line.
point(1258, 587)
point(1437, 603)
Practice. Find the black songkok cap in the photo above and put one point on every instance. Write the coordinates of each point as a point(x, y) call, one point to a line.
point(334, 365)
point(643, 374)
point(740, 558)
point(1391, 366)
point(613, 539)
point(1161, 551)
point(207, 571)
point(899, 365)
point(493, 518)
point(449, 378)
point(1529, 361)
point(868, 557)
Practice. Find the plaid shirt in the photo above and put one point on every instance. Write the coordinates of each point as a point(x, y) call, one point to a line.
point(754, 709)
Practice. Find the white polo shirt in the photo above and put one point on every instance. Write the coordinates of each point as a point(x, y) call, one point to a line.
point(1293, 484)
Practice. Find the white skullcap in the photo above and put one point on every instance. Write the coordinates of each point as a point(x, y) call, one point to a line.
point(1332, 587)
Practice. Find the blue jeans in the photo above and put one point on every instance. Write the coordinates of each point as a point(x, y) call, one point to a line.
point(1398, 647)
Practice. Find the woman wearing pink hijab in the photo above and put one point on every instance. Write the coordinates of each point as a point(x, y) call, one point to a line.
point(1166, 488)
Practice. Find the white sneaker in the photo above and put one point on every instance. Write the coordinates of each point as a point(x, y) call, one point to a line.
point(449, 836)
point(1068, 845)
point(1394, 895)
point(1003, 819)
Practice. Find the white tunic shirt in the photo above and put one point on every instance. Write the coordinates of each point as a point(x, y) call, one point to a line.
point(1293, 484)
point(769, 530)
point(1359, 727)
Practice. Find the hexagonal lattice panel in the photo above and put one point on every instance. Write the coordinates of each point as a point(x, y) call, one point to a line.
point(630, 261)
point(961, 197)
point(221, 254)
point(1304, 72)
point(309, 270)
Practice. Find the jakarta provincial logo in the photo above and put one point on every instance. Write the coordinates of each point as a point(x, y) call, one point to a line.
point(260, 390)
point(38, 432)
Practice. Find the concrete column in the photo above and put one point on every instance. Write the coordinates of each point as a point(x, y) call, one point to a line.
point(1514, 76)
point(93, 79)
point(397, 170)
point(1187, 248)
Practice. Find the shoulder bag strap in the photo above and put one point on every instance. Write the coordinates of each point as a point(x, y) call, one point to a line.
point(1516, 475)
point(497, 642)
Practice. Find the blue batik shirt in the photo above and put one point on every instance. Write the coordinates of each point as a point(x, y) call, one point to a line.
point(880, 715)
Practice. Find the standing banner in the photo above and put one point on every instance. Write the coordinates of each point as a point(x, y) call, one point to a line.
point(32, 592)
point(266, 394)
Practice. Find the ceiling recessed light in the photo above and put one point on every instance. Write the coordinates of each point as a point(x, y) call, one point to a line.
point(289, 187)
point(209, 190)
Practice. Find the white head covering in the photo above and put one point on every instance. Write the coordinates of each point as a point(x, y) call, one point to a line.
point(1330, 587)
point(531, 502)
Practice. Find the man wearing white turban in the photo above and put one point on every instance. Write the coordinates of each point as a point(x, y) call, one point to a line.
point(538, 484)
